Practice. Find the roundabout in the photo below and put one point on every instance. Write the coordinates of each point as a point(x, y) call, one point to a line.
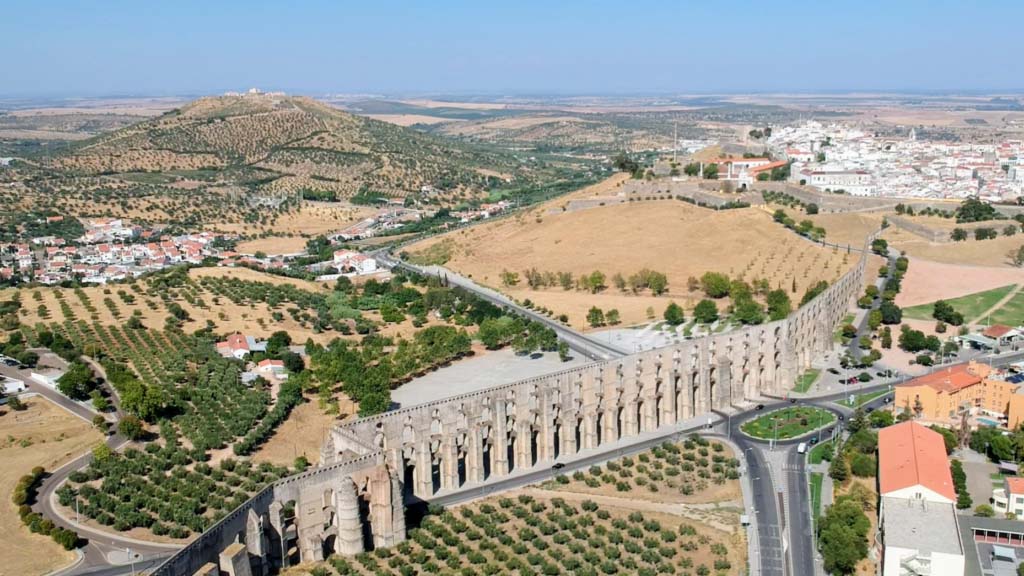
point(788, 422)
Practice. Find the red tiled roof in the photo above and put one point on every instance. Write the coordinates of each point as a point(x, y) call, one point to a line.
point(1015, 484)
point(949, 380)
point(910, 454)
point(996, 330)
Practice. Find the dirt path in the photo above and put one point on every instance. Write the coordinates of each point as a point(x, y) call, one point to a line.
point(703, 513)
point(997, 305)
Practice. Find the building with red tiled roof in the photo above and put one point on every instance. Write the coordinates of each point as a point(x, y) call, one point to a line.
point(916, 515)
point(942, 396)
point(912, 463)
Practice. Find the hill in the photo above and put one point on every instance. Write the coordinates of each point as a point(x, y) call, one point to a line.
point(667, 236)
point(251, 157)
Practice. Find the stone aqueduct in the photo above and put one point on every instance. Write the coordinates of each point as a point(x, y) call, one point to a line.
point(372, 467)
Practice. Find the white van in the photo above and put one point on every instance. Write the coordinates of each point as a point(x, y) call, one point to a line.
point(802, 447)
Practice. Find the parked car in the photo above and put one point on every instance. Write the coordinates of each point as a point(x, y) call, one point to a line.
point(759, 407)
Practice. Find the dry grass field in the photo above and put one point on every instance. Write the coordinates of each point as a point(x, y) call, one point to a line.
point(301, 434)
point(41, 435)
point(970, 252)
point(677, 239)
point(292, 229)
point(846, 228)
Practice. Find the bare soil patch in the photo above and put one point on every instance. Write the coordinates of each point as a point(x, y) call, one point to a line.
point(927, 281)
point(301, 434)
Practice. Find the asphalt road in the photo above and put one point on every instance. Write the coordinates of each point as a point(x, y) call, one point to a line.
point(766, 513)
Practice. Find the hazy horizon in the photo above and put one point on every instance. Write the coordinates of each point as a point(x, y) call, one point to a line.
point(595, 48)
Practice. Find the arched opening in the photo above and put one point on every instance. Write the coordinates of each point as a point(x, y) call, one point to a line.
point(511, 453)
point(640, 416)
point(365, 522)
point(487, 460)
point(557, 441)
point(712, 385)
point(659, 404)
point(620, 414)
point(460, 461)
point(435, 474)
point(600, 428)
point(579, 434)
point(534, 452)
point(408, 475)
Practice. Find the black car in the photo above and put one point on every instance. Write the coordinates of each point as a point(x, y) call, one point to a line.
point(759, 407)
point(792, 400)
point(557, 466)
point(11, 362)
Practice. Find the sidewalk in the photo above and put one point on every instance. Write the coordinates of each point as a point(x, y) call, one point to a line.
point(747, 489)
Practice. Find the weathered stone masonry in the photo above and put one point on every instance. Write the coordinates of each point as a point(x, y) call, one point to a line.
point(354, 501)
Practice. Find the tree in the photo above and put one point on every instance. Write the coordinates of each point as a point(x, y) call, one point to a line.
point(779, 305)
point(891, 313)
point(509, 278)
point(563, 351)
point(958, 235)
point(837, 469)
point(674, 314)
point(706, 312)
point(619, 282)
point(711, 172)
point(863, 465)
point(715, 284)
point(948, 437)
point(811, 208)
point(747, 311)
point(858, 421)
point(612, 317)
point(596, 281)
point(99, 402)
point(131, 427)
point(881, 418)
point(985, 511)
point(595, 317)
point(76, 383)
point(843, 535)
point(1016, 257)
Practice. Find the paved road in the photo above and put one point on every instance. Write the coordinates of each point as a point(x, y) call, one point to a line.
point(592, 348)
point(101, 544)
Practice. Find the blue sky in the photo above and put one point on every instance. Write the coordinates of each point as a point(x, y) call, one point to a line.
point(524, 46)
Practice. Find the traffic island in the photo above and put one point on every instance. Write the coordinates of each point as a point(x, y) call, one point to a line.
point(786, 423)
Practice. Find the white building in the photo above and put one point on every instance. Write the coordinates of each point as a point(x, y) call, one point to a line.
point(349, 260)
point(917, 517)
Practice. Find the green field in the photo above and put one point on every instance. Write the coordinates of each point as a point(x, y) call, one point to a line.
point(971, 306)
point(788, 422)
point(862, 398)
point(816, 479)
point(1011, 313)
point(817, 454)
point(804, 382)
point(837, 336)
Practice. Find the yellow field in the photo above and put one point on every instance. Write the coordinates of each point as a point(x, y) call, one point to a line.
point(671, 237)
point(970, 252)
point(41, 435)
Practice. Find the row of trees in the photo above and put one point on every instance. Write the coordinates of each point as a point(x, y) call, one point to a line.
point(24, 497)
point(804, 228)
point(983, 233)
point(594, 282)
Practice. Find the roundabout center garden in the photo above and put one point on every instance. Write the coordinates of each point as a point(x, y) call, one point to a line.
point(789, 422)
